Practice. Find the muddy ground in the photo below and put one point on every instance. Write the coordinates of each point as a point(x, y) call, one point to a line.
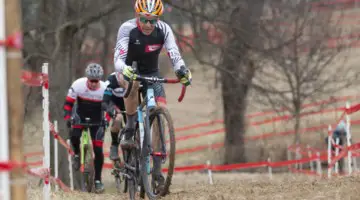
point(239, 186)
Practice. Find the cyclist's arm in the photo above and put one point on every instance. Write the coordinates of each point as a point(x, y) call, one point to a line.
point(171, 46)
point(107, 104)
point(69, 101)
point(122, 44)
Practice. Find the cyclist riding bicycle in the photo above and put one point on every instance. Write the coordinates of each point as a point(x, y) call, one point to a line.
point(141, 39)
point(113, 103)
point(87, 92)
point(339, 132)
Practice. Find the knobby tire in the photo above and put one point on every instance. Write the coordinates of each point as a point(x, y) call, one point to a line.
point(171, 156)
point(88, 173)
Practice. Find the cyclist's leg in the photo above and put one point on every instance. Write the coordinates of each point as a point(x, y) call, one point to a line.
point(115, 128)
point(97, 136)
point(75, 134)
point(131, 103)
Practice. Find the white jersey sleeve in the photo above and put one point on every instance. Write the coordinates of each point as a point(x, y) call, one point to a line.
point(74, 89)
point(122, 43)
point(171, 46)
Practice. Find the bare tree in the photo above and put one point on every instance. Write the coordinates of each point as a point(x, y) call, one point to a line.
point(257, 51)
point(237, 24)
point(308, 67)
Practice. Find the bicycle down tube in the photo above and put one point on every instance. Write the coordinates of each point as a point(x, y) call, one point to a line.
point(85, 141)
point(150, 103)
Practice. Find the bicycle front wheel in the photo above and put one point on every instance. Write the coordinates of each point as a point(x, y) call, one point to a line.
point(162, 148)
point(88, 170)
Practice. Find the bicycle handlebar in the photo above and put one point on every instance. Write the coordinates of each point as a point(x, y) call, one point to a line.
point(89, 124)
point(154, 79)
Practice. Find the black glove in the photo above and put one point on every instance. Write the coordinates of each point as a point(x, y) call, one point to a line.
point(68, 123)
point(184, 75)
point(112, 112)
point(105, 123)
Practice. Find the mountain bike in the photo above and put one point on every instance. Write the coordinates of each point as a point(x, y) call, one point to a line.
point(136, 167)
point(86, 156)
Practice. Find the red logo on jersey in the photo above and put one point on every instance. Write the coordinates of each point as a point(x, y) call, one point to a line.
point(122, 52)
point(151, 48)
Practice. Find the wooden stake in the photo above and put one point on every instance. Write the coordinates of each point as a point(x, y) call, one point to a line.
point(15, 95)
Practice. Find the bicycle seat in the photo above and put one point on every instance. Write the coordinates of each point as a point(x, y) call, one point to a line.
point(87, 120)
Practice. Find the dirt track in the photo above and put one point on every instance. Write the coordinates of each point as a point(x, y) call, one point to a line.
point(240, 186)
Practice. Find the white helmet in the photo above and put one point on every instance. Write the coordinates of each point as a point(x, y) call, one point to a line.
point(94, 71)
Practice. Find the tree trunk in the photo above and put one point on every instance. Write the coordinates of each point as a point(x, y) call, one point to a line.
point(237, 78)
point(234, 93)
point(297, 128)
point(58, 87)
point(104, 60)
point(234, 119)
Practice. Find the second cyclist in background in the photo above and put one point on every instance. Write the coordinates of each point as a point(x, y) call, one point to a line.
point(113, 103)
point(88, 92)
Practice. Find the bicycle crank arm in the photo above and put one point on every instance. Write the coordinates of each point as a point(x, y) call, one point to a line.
point(125, 174)
point(129, 167)
point(118, 173)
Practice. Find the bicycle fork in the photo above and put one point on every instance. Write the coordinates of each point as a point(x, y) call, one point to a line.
point(144, 150)
point(150, 103)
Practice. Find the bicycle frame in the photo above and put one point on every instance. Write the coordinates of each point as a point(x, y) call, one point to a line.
point(85, 140)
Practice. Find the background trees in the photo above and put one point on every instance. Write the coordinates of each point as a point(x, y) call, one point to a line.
point(282, 53)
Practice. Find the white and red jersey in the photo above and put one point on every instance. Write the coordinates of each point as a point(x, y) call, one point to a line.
point(133, 45)
point(88, 100)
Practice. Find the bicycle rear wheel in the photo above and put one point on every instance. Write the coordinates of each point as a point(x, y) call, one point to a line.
point(118, 178)
point(161, 117)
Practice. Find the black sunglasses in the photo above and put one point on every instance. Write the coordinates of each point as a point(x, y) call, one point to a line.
point(94, 81)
